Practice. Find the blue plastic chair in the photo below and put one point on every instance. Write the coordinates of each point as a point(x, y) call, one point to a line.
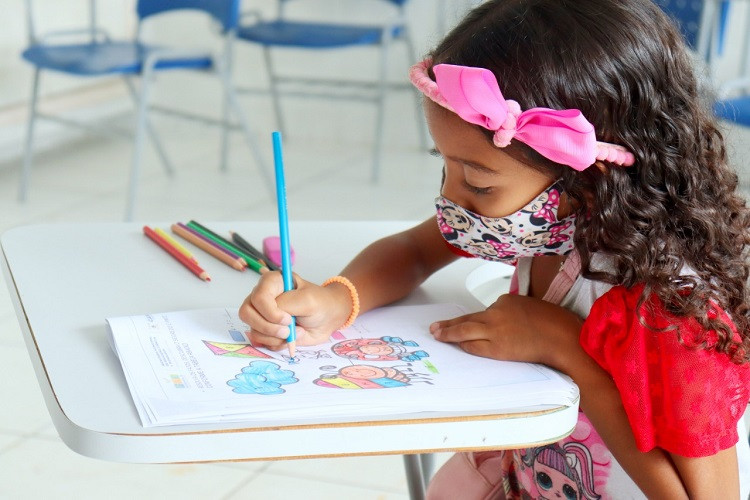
point(283, 32)
point(701, 22)
point(734, 103)
point(98, 55)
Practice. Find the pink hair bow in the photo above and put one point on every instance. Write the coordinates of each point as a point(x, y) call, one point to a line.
point(563, 136)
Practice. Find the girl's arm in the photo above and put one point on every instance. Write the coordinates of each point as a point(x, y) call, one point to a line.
point(520, 328)
point(657, 473)
point(385, 271)
point(389, 269)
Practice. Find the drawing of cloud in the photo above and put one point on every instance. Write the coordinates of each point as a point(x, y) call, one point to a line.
point(261, 377)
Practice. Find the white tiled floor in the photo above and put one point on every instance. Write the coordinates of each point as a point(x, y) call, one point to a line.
point(328, 178)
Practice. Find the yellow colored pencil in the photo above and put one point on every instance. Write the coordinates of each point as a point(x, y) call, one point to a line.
point(184, 251)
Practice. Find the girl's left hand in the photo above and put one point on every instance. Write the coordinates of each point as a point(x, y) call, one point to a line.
point(515, 328)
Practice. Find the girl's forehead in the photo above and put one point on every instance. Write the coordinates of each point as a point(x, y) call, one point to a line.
point(455, 137)
point(461, 141)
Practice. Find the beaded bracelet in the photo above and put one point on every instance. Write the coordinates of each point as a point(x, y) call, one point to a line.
point(352, 292)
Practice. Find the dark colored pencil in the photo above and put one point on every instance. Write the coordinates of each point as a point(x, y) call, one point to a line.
point(253, 263)
point(243, 243)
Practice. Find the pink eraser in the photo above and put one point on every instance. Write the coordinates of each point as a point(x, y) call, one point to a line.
point(272, 250)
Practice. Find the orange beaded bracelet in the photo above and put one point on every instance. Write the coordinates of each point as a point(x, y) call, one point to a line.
point(352, 292)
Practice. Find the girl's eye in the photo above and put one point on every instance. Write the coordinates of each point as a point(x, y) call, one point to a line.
point(477, 190)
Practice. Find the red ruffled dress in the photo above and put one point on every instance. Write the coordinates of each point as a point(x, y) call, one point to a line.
point(677, 397)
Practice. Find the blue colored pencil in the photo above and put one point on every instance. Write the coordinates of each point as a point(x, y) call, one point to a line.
point(286, 259)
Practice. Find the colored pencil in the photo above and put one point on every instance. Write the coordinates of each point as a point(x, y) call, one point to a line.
point(245, 245)
point(236, 263)
point(191, 265)
point(184, 251)
point(202, 235)
point(286, 259)
point(251, 261)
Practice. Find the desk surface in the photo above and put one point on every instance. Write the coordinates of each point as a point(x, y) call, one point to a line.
point(66, 279)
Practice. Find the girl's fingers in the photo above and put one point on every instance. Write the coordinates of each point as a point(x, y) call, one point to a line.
point(263, 299)
point(276, 343)
point(457, 330)
point(259, 340)
point(481, 348)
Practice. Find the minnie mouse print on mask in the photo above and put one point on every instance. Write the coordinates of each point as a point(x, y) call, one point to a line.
point(533, 230)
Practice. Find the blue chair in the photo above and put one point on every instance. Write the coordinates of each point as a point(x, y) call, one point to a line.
point(283, 32)
point(734, 103)
point(701, 22)
point(98, 55)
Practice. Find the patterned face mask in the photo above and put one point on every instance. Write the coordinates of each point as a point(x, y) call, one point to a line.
point(531, 231)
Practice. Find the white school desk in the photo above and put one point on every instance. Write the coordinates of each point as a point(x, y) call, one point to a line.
point(66, 279)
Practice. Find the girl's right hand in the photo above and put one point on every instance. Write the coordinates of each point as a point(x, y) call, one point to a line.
point(268, 310)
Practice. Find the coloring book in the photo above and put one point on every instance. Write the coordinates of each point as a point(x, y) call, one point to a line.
point(199, 367)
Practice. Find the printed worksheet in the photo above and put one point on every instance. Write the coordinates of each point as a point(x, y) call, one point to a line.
point(199, 367)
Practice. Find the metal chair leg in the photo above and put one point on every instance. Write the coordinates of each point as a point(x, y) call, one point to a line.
point(265, 170)
point(421, 122)
point(140, 130)
point(23, 187)
point(275, 98)
point(377, 153)
point(226, 66)
point(165, 161)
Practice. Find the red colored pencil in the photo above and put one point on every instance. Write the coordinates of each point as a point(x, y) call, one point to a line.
point(185, 261)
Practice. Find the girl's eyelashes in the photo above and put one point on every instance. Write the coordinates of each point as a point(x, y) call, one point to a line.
point(476, 190)
point(434, 152)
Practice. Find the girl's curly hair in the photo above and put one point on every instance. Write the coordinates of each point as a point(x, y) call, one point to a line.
point(626, 67)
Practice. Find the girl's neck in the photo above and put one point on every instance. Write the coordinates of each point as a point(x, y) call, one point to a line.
point(543, 271)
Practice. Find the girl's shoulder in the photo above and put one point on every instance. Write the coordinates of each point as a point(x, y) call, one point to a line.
point(678, 394)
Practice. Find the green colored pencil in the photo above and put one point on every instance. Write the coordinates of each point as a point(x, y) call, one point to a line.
point(252, 263)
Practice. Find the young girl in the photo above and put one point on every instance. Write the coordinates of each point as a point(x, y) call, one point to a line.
point(576, 146)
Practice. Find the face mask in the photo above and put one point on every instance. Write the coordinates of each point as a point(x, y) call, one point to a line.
point(531, 231)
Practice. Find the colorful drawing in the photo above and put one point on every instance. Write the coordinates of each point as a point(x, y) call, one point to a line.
point(382, 349)
point(235, 350)
point(363, 377)
point(236, 335)
point(262, 377)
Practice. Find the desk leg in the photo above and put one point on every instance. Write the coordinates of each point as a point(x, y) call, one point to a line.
point(414, 478)
point(428, 465)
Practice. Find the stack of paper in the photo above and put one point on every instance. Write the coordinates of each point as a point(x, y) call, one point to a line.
point(198, 367)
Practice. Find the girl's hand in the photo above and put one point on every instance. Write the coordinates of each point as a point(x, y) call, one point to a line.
point(268, 310)
point(515, 328)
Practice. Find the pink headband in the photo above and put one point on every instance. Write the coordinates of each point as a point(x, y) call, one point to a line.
point(563, 136)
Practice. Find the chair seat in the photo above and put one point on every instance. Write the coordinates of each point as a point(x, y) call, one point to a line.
point(104, 58)
point(312, 35)
point(736, 110)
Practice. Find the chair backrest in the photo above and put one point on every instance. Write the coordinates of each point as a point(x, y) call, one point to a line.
point(687, 15)
point(226, 12)
point(397, 2)
point(31, 24)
